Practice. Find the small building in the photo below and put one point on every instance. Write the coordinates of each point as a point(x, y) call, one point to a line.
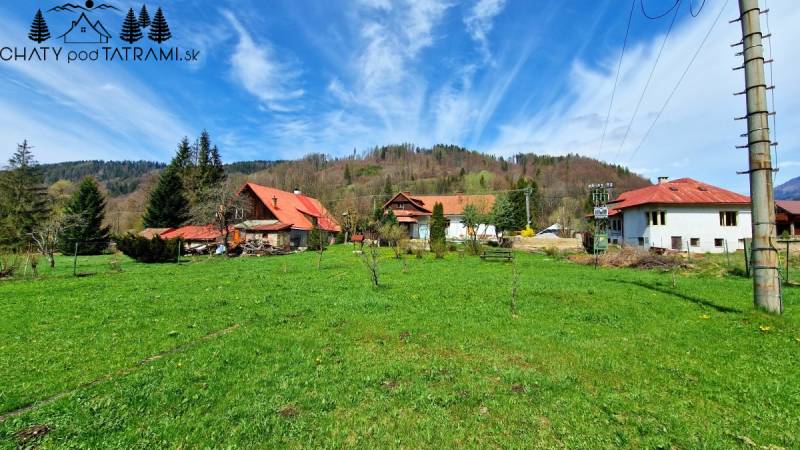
point(787, 217)
point(277, 214)
point(681, 215)
point(414, 211)
point(272, 232)
point(195, 237)
point(150, 233)
point(83, 31)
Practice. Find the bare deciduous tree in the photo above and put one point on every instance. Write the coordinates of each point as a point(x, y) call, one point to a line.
point(371, 258)
point(46, 236)
point(221, 206)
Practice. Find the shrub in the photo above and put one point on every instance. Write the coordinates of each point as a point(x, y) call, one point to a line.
point(527, 232)
point(154, 250)
point(439, 249)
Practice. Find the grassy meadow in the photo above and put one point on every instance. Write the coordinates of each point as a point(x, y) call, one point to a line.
point(274, 353)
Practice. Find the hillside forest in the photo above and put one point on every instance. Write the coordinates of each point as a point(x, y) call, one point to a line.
point(362, 180)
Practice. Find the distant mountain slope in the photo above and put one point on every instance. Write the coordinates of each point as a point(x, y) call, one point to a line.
point(789, 190)
point(364, 180)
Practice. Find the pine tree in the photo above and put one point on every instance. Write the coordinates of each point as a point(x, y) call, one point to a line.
point(144, 17)
point(159, 29)
point(438, 224)
point(517, 200)
point(167, 206)
point(131, 32)
point(24, 201)
point(183, 157)
point(348, 177)
point(86, 212)
point(388, 189)
point(39, 31)
point(216, 170)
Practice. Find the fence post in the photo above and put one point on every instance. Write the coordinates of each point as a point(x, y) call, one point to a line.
point(746, 259)
point(787, 263)
point(75, 261)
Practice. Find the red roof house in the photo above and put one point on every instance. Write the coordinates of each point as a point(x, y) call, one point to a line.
point(681, 215)
point(283, 218)
point(413, 211)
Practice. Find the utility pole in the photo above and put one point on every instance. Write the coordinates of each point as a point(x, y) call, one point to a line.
point(528, 192)
point(766, 281)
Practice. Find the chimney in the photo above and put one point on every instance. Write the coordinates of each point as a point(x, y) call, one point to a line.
point(275, 201)
point(297, 191)
point(662, 180)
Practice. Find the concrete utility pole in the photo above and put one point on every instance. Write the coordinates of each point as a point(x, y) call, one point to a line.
point(766, 281)
point(528, 192)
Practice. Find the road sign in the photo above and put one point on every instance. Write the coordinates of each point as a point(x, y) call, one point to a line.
point(601, 212)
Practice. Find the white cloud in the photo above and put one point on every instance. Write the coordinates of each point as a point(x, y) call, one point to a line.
point(260, 72)
point(480, 21)
point(696, 134)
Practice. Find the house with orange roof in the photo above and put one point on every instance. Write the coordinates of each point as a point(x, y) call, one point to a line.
point(414, 212)
point(683, 214)
point(283, 219)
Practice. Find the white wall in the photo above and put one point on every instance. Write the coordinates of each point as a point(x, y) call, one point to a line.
point(456, 230)
point(687, 222)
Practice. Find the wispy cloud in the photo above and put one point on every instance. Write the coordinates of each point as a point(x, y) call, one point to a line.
point(261, 73)
point(480, 20)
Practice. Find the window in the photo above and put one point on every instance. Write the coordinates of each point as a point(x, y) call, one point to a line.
point(83, 29)
point(656, 217)
point(641, 241)
point(694, 242)
point(719, 242)
point(727, 218)
point(616, 225)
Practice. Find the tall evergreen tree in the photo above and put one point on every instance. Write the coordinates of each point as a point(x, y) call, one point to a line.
point(517, 199)
point(167, 206)
point(131, 32)
point(24, 201)
point(216, 170)
point(85, 213)
point(438, 224)
point(39, 31)
point(159, 29)
point(183, 157)
point(144, 17)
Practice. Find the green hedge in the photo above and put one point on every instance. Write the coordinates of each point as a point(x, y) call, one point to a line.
point(145, 250)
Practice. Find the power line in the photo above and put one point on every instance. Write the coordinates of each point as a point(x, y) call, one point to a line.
point(772, 91)
point(691, 8)
point(677, 2)
point(680, 80)
point(616, 79)
point(649, 78)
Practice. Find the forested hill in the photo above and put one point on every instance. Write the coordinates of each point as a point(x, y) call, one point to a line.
point(363, 179)
point(125, 177)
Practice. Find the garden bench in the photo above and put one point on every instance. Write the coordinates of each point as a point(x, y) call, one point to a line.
point(497, 253)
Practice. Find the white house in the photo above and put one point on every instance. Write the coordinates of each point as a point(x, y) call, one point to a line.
point(684, 214)
point(414, 212)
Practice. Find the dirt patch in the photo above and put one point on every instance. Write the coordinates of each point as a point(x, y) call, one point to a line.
point(405, 335)
point(288, 411)
point(517, 388)
point(26, 437)
point(390, 385)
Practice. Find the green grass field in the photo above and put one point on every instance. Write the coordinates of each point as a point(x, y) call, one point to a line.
point(273, 353)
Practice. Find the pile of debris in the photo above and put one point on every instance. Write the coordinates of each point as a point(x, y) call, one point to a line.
point(632, 257)
point(261, 248)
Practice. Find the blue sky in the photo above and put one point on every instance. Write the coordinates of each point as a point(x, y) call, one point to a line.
point(279, 79)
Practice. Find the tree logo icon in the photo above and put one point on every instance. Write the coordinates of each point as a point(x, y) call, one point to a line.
point(39, 32)
point(159, 30)
point(131, 31)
